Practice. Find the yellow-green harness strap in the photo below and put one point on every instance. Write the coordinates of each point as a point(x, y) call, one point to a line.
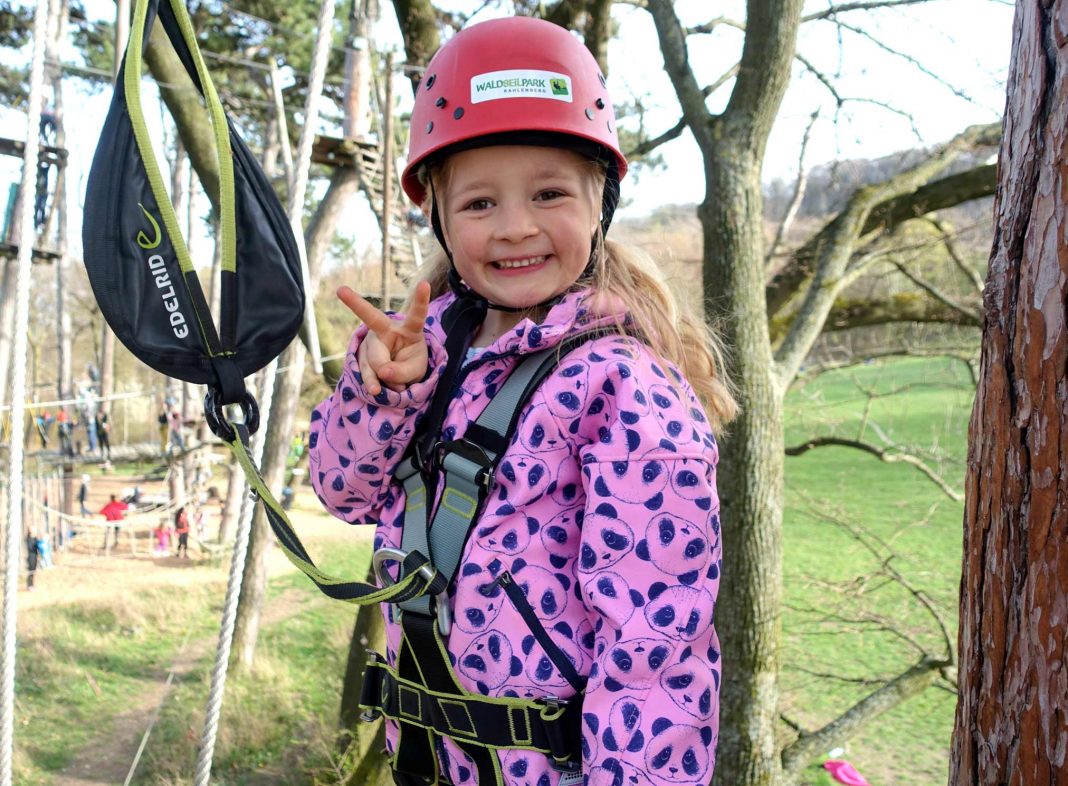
point(413, 580)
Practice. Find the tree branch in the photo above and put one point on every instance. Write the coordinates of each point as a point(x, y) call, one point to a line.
point(799, 193)
point(903, 687)
point(882, 454)
point(975, 313)
point(834, 247)
point(834, 10)
point(677, 64)
point(948, 239)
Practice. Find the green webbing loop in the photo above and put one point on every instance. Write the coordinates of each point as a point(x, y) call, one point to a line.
point(412, 583)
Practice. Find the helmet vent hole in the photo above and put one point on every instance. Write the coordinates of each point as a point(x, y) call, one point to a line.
point(458, 113)
point(600, 103)
point(430, 81)
point(430, 126)
point(440, 102)
point(589, 113)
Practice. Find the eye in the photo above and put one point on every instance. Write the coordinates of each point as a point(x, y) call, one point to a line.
point(478, 204)
point(549, 195)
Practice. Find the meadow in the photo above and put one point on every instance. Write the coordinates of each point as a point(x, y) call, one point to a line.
point(863, 540)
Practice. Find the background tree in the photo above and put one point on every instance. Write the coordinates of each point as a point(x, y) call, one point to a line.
point(1013, 699)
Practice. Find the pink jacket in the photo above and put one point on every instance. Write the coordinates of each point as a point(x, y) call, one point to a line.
point(603, 509)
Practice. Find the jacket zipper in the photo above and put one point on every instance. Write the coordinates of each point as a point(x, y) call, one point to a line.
point(526, 611)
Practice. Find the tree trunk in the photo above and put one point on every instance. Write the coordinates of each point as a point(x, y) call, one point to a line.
point(276, 449)
point(418, 24)
point(64, 376)
point(750, 477)
point(1013, 687)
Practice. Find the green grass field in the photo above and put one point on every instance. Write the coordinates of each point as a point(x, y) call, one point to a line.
point(843, 616)
point(82, 664)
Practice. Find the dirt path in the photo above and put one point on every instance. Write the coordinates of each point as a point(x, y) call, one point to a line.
point(131, 566)
point(107, 759)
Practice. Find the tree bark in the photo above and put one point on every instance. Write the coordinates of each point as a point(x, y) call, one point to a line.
point(418, 24)
point(1013, 685)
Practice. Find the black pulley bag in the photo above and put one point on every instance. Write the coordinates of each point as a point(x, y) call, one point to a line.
point(137, 259)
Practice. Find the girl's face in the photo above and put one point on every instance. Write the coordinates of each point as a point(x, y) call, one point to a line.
point(519, 221)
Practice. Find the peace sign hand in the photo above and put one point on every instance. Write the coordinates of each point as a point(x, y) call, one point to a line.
point(393, 353)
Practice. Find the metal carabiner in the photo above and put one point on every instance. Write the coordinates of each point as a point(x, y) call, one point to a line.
point(441, 600)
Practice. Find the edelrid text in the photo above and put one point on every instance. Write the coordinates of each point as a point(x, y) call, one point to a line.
point(170, 301)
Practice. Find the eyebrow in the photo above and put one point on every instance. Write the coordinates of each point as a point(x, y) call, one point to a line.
point(549, 173)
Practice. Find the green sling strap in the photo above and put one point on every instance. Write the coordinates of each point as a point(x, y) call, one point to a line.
point(144, 280)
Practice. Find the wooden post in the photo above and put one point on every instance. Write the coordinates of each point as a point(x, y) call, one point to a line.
point(387, 178)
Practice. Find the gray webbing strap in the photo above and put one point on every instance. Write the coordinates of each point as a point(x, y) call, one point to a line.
point(468, 476)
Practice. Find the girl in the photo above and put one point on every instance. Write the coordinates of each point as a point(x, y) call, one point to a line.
point(602, 510)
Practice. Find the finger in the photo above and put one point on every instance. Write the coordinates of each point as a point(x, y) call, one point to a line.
point(416, 318)
point(370, 379)
point(367, 313)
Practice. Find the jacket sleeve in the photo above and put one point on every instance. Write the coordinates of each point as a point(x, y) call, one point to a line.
point(356, 440)
point(648, 575)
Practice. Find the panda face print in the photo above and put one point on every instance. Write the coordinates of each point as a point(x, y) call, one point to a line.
point(379, 424)
point(540, 431)
point(633, 663)
point(523, 768)
point(509, 535)
point(692, 685)
point(613, 772)
point(610, 595)
point(546, 592)
point(678, 753)
point(637, 480)
point(560, 538)
point(688, 480)
point(475, 610)
point(622, 734)
point(520, 479)
point(489, 661)
point(679, 612)
point(607, 540)
point(591, 725)
point(569, 389)
point(539, 668)
point(676, 546)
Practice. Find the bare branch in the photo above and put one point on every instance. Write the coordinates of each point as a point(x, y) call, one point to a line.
point(948, 238)
point(969, 312)
point(882, 454)
point(906, 685)
point(677, 64)
point(907, 57)
point(799, 193)
point(711, 25)
point(963, 354)
point(834, 10)
point(649, 145)
point(946, 192)
point(830, 252)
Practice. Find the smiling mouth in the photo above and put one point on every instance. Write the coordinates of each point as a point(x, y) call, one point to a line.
point(512, 264)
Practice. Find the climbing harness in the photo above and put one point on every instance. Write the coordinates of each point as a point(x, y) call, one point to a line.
point(421, 692)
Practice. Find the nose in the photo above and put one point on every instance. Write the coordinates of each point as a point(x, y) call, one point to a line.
point(515, 223)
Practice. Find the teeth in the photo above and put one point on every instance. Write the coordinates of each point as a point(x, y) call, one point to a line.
point(511, 263)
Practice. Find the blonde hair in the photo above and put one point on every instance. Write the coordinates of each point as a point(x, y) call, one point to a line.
point(631, 277)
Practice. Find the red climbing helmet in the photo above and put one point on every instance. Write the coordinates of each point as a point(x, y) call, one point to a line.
point(513, 80)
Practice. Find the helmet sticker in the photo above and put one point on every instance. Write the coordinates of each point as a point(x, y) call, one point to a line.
point(520, 83)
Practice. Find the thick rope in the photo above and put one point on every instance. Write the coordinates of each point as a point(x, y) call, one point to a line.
point(27, 237)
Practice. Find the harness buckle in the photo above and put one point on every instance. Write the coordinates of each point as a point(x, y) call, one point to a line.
point(441, 600)
point(472, 452)
point(564, 763)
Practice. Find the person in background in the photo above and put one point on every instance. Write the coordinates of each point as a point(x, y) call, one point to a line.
point(181, 526)
point(103, 433)
point(31, 557)
point(115, 510)
point(83, 497)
